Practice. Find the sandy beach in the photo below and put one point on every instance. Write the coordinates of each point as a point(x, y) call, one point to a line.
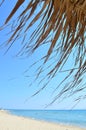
point(12, 122)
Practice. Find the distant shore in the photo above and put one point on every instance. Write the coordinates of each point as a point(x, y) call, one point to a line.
point(12, 122)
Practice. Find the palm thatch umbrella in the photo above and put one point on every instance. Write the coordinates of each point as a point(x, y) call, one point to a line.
point(62, 23)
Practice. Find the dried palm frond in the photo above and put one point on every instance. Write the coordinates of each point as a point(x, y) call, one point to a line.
point(57, 19)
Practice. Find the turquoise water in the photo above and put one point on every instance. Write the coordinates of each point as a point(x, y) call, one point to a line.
point(69, 117)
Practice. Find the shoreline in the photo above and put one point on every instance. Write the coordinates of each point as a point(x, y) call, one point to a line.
point(10, 121)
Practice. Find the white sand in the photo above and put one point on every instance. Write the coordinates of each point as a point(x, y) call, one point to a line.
point(12, 122)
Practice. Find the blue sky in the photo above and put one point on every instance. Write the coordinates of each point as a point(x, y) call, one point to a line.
point(15, 91)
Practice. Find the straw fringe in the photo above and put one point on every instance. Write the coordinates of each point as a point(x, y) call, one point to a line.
point(59, 18)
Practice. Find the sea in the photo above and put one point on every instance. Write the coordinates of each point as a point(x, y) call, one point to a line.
point(67, 117)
